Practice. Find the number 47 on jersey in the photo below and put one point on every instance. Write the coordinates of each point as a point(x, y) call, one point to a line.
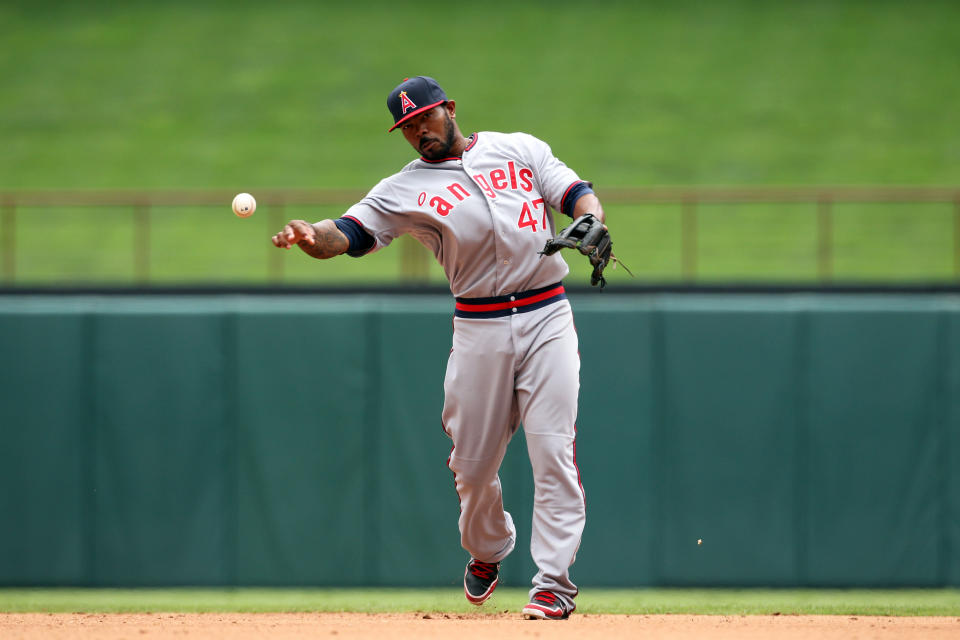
point(527, 218)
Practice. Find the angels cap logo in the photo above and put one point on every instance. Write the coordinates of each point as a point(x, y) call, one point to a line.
point(405, 102)
point(414, 96)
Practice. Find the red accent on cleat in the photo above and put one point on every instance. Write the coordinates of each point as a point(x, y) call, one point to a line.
point(483, 570)
point(479, 580)
point(545, 605)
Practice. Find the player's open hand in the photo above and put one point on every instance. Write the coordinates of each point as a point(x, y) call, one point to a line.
point(293, 233)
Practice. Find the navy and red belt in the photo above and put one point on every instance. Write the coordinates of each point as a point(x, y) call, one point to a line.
point(501, 306)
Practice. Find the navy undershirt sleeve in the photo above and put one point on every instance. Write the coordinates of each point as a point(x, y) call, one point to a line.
point(576, 192)
point(360, 241)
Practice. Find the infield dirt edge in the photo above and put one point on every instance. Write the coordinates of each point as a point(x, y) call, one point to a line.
point(366, 626)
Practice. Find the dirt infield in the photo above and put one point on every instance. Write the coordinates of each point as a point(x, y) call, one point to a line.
point(279, 626)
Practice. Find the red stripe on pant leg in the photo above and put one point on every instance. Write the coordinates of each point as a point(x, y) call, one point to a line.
point(577, 467)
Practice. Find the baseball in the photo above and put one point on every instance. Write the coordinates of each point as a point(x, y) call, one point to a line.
point(699, 541)
point(244, 205)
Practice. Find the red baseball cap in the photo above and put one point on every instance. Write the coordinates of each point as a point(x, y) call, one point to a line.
point(413, 96)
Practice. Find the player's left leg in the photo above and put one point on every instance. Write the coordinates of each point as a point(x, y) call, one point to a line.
point(547, 384)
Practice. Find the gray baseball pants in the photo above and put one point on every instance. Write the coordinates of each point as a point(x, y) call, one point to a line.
point(523, 368)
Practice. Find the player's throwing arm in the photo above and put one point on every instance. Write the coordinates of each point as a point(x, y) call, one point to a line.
point(321, 240)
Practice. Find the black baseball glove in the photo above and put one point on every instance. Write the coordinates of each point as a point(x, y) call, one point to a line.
point(590, 237)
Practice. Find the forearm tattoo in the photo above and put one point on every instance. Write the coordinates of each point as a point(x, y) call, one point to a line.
point(328, 243)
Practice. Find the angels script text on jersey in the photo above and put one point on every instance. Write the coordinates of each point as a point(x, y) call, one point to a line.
point(496, 180)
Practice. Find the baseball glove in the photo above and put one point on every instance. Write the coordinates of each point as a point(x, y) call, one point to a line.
point(590, 237)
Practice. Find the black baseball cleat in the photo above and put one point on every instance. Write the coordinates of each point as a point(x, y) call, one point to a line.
point(480, 579)
point(545, 605)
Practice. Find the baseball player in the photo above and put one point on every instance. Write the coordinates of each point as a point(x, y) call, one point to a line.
point(483, 205)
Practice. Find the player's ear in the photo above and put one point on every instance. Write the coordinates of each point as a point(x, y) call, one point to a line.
point(451, 108)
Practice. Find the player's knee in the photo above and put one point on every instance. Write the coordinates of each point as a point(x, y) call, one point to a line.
point(551, 446)
point(470, 473)
point(549, 454)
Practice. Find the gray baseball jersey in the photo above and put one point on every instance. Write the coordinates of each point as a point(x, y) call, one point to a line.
point(486, 216)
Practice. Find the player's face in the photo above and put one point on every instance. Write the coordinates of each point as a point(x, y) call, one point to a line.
point(431, 133)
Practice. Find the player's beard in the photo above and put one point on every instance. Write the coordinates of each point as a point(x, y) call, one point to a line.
point(441, 150)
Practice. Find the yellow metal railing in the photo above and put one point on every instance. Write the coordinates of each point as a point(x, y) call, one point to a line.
point(412, 260)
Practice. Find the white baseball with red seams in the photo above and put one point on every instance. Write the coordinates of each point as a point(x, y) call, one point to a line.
point(485, 216)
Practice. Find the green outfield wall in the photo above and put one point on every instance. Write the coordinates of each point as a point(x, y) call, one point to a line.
point(805, 439)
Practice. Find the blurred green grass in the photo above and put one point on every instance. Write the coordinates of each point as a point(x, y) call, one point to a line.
point(244, 95)
point(888, 602)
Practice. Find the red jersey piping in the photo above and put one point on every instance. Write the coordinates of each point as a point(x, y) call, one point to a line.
point(440, 160)
point(355, 220)
point(567, 192)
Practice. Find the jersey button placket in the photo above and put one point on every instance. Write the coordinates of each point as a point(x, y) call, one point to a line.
point(491, 207)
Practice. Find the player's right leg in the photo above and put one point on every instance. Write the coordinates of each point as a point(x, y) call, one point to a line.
point(480, 416)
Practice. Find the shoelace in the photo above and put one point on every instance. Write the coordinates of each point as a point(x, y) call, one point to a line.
point(483, 570)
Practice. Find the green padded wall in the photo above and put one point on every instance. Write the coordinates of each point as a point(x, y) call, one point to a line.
point(417, 506)
point(45, 427)
point(726, 435)
point(948, 523)
point(158, 483)
point(239, 440)
point(300, 475)
point(874, 438)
